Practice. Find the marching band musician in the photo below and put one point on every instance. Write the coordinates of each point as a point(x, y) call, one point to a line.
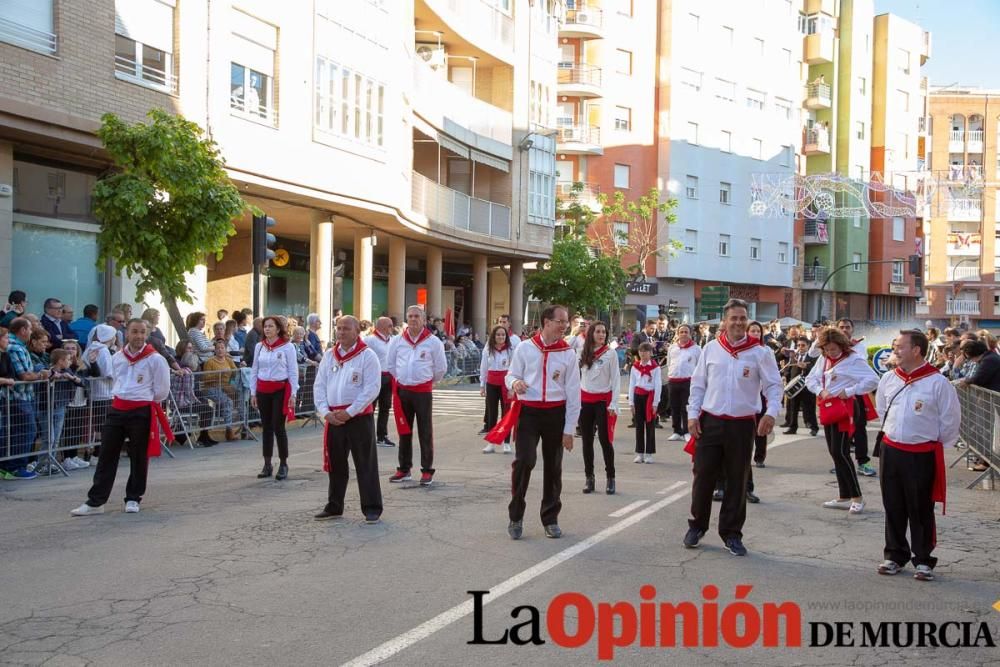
point(799, 366)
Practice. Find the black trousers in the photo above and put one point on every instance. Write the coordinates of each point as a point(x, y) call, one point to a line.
point(664, 408)
point(806, 401)
point(645, 432)
point(906, 479)
point(534, 424)
point(839, 445)
point(356, 437)
point(272, 420)
point(679, 394)
point(860, 431)
point(417, 410)
point(723, 452)
point(495, 407)
point(596, 415)
point(383, 403)
point(119, 426)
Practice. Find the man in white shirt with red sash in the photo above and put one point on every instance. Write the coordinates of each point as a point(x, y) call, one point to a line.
point(545, 379)
point(379, 341)
point(416, 360)
point(347, 382)
point(922, 417)
point(732, 372)
point(141, 383)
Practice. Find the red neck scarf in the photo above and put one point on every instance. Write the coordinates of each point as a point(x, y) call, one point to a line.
point(358, 348)
point(503, 348)
point(645, 369)
point(424, 335)
point(384, 339)
point(748, 343)
point(560, 344)
point(599, 351)
point(278, 342)
point(686, 345)
point(146, 351)
point(830, 362)
point(926, 370)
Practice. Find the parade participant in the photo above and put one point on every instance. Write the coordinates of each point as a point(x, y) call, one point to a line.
point(726, 388)
point(494, 363)
point(378, 340)
point(644, 386)
point(799, 366)
point(682, 358)
point(416, 360)
point(274, 383)
point(921, 417)
point(756, 330)
point(839, 377)
point(141, 383)
point(546, 380)
point(647, 335)
point(348, 381)
point(599, 383)
point(504, 321)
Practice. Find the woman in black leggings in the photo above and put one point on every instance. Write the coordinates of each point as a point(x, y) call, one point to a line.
point(274, 383)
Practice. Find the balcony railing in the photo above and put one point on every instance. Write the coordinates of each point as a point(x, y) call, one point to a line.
point(814, 274)
point(964, 273)
point(818, 95)
point(150, 76)
point(586, 194)
point(958, 172)
point(451, 208)
point(962, 307)
point(816, 233)
point(579, 73)
point(965, 210)
point(974, 141)
point(922, 307)
point(15, 33)
point(817, 141)
point(956, 135)
point(580, 134)
point(435, 99)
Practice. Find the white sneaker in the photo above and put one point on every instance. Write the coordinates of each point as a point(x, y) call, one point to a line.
point(838, 504)
point(489, 449)
point(675, 437)
point(131, 507)
point(80, 463)
point(87, 510)
point(649, 458)
point(506, 448)
point(637, 459)
point(31, 466)
point(70, 464)
point(857, 507)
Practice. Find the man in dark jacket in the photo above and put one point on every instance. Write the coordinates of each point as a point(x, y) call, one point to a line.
point(799, 365)
point(987, 374)
point(53, 323)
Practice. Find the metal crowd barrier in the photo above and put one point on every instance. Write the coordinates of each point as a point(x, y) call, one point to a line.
point(979, 429)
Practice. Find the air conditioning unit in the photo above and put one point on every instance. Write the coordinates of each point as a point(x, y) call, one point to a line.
point(432, 53)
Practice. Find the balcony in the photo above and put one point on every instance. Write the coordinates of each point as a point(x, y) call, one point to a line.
point(817, 142)
point(958, 173)
point(26, 37)
point(922, 307)
point(925, 50)
point(579, 140)
point(578, 80)
point(447, 208)
point(817, 96)
point(816, 233)
point(964, 244)
point(965, 210)
point(585, 194)
point(481, 23)
point(583, 23)
point(454, 111)
point(813, 277)
point(956, 141)
point(970, 273)
point(974, 141)
point(151, 77)
point(962, 307)
point(817, 48)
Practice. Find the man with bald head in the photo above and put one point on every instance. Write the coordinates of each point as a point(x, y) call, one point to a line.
point(379, 341)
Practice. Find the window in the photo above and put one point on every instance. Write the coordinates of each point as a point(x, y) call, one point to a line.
point(725, 193)
point(620, 232)
point(786, 156)
point(623, 118)
point(691, 79)
point(249, 91)
point(542, 181)
point(252, 68)
point(755, 249)
point(726, 141)
point(693, 24)
point(897, 271)
point(623, 62)
point(856, 258)
point(758, 46)
point(725, 90)
point(28, 24)
point(349, 104)
point(904, 145)
point(862, 85)
point(904, 99)
point(724, 245)
point(783, 107)
point(690, 240)
point(757, 149)
point(782, 252)
point(859, 129)
point(903, 61)
point(859, 173)
point(144, 42)
point(786, 56)
point(898, 230)
point(726, 37)
point(692, 132)
point(622, 173)
point(755, 99)
point(795, 255)
point(691, 187)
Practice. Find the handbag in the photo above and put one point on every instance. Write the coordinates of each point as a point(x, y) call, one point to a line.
point(833, 410)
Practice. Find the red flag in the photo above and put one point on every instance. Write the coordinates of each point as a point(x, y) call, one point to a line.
point(449, 323)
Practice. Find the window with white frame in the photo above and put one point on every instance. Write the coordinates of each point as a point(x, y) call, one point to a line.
point(757, 149)
point(251, 81)
point(783, 107)
point(857, 221)
point(725, 90)
point(726, 141)
point(623, 62)
point(691, 79)
point(859, 129)
point(856, 259)
point(782, 252)
point(144, 43)
point(623, 118)
point(349, 104)
point(897, 271)
point(755, 249)
point(898, 230)
point(622, 175)
point(904, 99)
point(620, 232)
point(726, 37)
point(691, 132)
point(755, 99)
point(28, 24)
point(691, 187)
point(725, 193)
point(690, 240)
point(542, 180)
point(723, 245)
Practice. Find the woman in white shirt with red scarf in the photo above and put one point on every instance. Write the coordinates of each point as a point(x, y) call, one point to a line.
point(274, 383)
point(494, 362)
point(599, 386)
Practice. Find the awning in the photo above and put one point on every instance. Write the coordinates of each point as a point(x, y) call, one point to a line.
point(490, 161)
point(456, 147)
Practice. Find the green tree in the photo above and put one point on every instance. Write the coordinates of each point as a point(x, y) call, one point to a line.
point(165, 204)
point(579, 277)
point(646, 218)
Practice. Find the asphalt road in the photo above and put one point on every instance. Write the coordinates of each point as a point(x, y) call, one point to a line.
point(220, 568)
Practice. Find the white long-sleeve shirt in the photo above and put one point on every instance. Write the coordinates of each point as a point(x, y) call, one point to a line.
point(602, 377)
point(514, 339)
point(146, 380)
point(275, 365)
point(550, 377)
point(728, 386)
point(100, 387)
point(927, 410)
point(651, 382)
point(416, 362)
point(682, 361)
point(355, 383)
point(380, 346)
point(493, 361)
point(851, 374)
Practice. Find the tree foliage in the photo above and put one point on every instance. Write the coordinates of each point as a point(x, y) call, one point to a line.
point(164, 205)
point(646, 219)
point(578, 277)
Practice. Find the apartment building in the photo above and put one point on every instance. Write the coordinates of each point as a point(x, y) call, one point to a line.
point(402, 147)
point(960, 232)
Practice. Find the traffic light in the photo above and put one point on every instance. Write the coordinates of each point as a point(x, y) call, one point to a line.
point(915, 265)
point(263, 240)
point(672, 307)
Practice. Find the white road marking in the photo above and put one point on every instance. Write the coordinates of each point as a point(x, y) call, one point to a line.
point(444, 619)
point(628, 509)
point(670, 488)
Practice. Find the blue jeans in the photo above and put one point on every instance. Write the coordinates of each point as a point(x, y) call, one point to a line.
point(58, 419)
point(21, 431)
point(222, 403)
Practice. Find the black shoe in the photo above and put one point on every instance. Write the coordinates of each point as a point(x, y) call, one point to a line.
point(785, 425)
point(693, 537)
point(717, 495)
point(752, 497)
point(657, 425)
point(282, 471)
point(372, 519)
point(814, 432)
point(631, 424)
point(514, 529)
point(589, 486)
point(385, 442)
point(759, 464)
point(611, 486)
point(790, 431)
point(553, 530)
point(833, 471)
point(735, 546)
point(326, 515)
point(266, 471)
point(483, 431)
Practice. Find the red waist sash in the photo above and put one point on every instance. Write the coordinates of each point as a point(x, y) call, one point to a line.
point(326, 427)
point(404, 427)
point(607, 397)
point(650, 408)
point(497, 379)
point(157, 420)
point(272, 386)
point(503, 428)
point(940, 487)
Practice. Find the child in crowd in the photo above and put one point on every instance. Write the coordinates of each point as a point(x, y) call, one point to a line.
point(64, 385)
point(643, 395)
